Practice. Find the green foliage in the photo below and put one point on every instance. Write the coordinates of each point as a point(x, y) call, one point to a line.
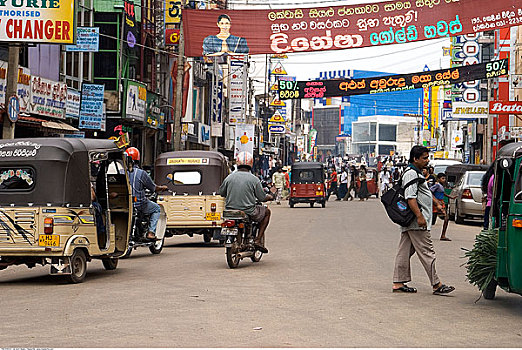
point(482, 259)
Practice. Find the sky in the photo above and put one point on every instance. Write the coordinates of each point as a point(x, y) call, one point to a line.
point(398, 58)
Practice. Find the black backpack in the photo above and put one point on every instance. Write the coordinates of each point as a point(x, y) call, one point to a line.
point(396, 205)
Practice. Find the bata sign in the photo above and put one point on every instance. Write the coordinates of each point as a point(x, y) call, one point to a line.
point(505, 107)
point(38, 21)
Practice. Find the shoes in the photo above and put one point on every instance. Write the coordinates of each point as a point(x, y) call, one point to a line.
point(404, 289)
point(260, 248)
point(443, 290)
point(445, 239)
point(152, 237)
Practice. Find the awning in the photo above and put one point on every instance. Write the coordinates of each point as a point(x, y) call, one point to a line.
point(58, 126)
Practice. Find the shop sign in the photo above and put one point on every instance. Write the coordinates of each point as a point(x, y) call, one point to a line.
point(505, 107)
point(204, 134)
point(244, 139)
point(3, 83)
point(136, 100)
point(87, 40)
point(72, 108)
point(23, 88)
point(172, 11)
point(237, 93)
point(171, 37)
point(48, 98)
point(283, 31)
point(276, 118)
point(153, 111)
point(457, 139)
point(276, 128)
point(516, 81)
point(91, 107)
point(130, 24)
point(516, 132)
point(38, 21)
point(502, 135)
point(200, 74)
point(188, 161)
point(217, 108)
point(465, 110)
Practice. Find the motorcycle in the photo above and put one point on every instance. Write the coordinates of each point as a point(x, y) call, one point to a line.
point(139, 229)
point(240, 233)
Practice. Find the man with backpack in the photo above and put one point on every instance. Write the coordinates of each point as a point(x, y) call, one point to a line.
point(416, 238)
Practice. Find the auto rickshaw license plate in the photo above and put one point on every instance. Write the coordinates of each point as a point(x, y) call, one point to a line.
point(213, 216)
point(49, 240)
point(319, 193)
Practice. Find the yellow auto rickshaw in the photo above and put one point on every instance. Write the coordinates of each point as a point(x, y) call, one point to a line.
point(60, 204)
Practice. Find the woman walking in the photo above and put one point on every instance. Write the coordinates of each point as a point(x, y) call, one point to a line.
point(363, 190)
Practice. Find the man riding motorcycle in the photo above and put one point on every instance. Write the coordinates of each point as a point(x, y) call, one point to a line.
point(139, 181)
point(242, 191)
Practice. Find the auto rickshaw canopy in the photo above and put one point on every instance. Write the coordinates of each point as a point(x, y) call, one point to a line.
point(52, 171)
point(212, 167)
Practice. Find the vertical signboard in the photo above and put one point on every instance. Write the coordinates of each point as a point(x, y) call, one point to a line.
point(172, 11)
point(91, 108)
point(23, 88)
point(130, 24)
point(48, 98)
point(244, 139)
point(72, 108)
point(237, 93)
point(3, 82)
point(217, 107)
point(136, 100)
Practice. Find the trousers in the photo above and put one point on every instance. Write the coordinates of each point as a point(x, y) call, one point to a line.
point(154, 210)
point(411, 242)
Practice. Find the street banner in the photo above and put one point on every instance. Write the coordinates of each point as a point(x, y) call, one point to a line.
point(237, 99)
point(87, 40)
point(281, 31)
point(505, 107)
point(38, 22)
point(48, 98)
point(389, 83)
point(135, 100)
point(72, 107)
point(244, 139)
point(91, 108)
point(469, 110)
point(131, 32)
point(3, 83)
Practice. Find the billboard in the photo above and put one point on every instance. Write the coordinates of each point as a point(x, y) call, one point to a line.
point(91, 107)
point(136, 100)
point(52, 22)
point(87, 40)
point(282, 31)
point(48, 98)
point(390, 83)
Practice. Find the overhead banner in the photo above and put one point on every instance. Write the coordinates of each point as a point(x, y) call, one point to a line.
point(389, 83)
point(38, 22)
point(341, 27)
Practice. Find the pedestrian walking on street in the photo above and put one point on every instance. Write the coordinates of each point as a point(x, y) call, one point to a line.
point(332, 182)
point(438, 193)
point(343, 184)
point(363, 189)
point(278, 179)
point(416, 237)
point(352, 184)
point(385, 179)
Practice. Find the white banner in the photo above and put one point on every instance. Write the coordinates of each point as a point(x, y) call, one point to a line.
point(48, 98)
point(237, 93)
point(244, 139)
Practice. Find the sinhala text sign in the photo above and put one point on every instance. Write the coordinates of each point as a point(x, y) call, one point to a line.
point(281, 31)
point(38, 21)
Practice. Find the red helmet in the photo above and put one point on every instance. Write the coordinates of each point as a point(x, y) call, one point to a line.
point(245, 159)
point(133, 152)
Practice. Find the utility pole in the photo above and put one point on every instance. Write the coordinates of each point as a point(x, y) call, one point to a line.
point(176, 133)
point(12, 82)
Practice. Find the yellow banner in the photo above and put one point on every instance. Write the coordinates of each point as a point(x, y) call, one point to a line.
point(187, 161)
point(38, 21)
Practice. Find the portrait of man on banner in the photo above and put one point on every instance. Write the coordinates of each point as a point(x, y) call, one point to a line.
point(224, 42)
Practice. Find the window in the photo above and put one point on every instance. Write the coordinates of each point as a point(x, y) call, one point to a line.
point(475, 179)
point(387, 132)
point(16, 179)
point(306, 175)
point(185, 177)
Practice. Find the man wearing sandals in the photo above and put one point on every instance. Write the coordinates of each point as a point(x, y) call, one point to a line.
point(416, 237)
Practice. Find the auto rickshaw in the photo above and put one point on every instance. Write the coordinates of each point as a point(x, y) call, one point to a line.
point(60, 205)
point(194, 177)
point(506, 220)
point(372, 182)
point(307, 184)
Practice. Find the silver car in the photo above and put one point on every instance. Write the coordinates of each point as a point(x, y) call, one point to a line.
point(465, 200)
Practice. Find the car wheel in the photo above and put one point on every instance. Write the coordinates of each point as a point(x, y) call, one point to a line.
point(458, 219)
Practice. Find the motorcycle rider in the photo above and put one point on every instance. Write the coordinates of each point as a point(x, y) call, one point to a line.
point(242, 190)
point(139, 181)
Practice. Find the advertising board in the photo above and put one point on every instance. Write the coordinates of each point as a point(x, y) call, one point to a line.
point(48, 98)
point(135, 101)
point(91, 108)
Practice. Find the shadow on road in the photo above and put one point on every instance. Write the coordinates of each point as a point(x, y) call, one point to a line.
point(55, 280)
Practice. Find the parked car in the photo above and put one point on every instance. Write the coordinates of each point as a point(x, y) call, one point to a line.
point(440, 165)
point(465, 200)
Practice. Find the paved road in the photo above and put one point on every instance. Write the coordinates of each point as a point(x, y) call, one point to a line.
point(325, 283)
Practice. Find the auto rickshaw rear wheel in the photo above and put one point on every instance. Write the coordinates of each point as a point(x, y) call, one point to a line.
point(291, 204)
point(78, 266)
point(110, 263)
point(323, 204)
point(311, 204)
point(207, 237)
point(491, 289)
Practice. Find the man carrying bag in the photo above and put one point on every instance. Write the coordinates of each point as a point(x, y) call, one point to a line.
point(415, 237)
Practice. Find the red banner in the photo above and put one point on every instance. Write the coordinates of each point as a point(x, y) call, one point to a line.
point(214, 32)
point(505, 107)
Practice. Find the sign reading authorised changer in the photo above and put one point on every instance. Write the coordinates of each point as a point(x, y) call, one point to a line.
point(38, 21)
